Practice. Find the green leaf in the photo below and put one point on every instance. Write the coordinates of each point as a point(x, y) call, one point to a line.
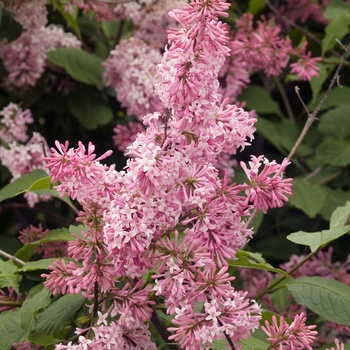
point(9, 276)
point(255, 6)
point(281, 299)
point(328, 298)
point(253, 342)
point(10, 329)
point(336, 8)
point(60, 234)
point(337, 96)
point(80, 65)
point(59, 314)
point(30, 308)
point(317, 239)
point(334, 123)
point(43, 339)
point(71, 21)
point(218, 344)
point(334, 152)
point(89, 109)
point(307, 197)
point(259, 99)
point(42, 264)
point(257, 257)
point(336, 29)
point(340, 216)
point(10, 29)
point(316, 83)
point(244, 262)
point(22, 184)
point(281, 134)
point(334, 198)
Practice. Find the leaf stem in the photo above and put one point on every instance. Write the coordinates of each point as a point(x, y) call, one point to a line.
point(278, 280)
point(285, 99)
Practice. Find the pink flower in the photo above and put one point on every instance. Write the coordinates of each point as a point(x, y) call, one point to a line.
point(14, 121)
point(338, 345)
point(305, 67)
point(267, 189)
point(296, 336)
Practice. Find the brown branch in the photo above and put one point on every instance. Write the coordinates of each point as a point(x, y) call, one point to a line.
point(11, 257)
point(313, 116)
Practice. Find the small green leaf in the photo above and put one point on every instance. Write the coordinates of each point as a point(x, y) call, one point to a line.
point(61, 234)
point(337, 96)
point(244, 262)
point(10, 29)
point(281, 299)
point(328, 298)
point(334, 123)
point(336, 29)
point(307, 197)
point(259, 99)
point(337, 8)
point(22, 184)
point(255, 341)
point(42, 264)
point(334, 199)
point(80, 65)
point(9, 276)
point(59, 314)
point(89, 109)
point(30, 308)
point(10, 329)
point(317, 239)
point(255, 6)
point(43, 339)
point(334, 152)
point(340, 216)
point(282, 134)
point(316, 83)
point(257, 257)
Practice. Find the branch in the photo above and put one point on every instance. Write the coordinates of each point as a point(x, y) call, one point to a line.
point(11, 257)
point(313, 116)
point(162, 330)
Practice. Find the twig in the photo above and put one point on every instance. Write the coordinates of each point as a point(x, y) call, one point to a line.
point(314, 173)
point(11, 257)
point(285, 99)
point(161, 328)
point(313, 116)
point(252, 218)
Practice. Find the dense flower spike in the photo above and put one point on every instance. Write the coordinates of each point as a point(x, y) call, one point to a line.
point(133, 216)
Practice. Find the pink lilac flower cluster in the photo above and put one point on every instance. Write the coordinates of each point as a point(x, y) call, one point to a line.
point(21, 158)
point(24, 59)
point(126, 135)
point(130, 70)
point(169, 211)
point(13, 123)
point(264, 48)
point(151, 20)
point(296, 335)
